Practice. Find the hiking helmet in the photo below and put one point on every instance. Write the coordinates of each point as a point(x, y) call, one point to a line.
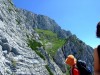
point(70, 60)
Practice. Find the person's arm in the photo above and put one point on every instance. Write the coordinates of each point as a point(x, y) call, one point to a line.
point(96, 62)
point(76, 71)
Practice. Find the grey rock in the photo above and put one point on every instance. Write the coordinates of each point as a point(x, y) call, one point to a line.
point(1, 18)
point(15, 51)
point(4, 40)
point(43, 22)
point(5, 53)
point(52, 65)
point(60, 59)
point(1, 43)
point(7, 47)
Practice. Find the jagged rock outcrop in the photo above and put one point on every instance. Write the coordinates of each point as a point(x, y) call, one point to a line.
point(50, 62)
point(43, 22)
point(61, 61)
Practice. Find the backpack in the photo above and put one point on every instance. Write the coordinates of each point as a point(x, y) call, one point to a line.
point(84, 70)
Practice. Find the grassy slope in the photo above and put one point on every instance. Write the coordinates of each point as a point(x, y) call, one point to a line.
point(34, 46)
point(50, 41)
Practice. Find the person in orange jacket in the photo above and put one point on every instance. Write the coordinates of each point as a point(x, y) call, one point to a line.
point(71, 61)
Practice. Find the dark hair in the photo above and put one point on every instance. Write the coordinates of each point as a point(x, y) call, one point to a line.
point(98, 35)
point(98, 30)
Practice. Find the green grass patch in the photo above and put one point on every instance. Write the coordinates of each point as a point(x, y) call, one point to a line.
point(11, 3)
point(4, 3)
point(14, 62)
point(18, 21)
point(68, 70)
point(47, 67)
point(50, 41)
point(33, 44)
point(46, 32)
point(9, 9)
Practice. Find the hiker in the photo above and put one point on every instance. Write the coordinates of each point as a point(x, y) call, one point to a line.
point(97, 53)
point(71, 61)
point(78, 67)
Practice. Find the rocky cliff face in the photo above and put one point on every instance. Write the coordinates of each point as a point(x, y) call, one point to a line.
point(43, 22)
point(23, 52)
point(77, 48)
point(16, 56)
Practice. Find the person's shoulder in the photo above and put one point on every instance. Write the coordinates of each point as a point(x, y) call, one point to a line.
point(95, 55)
point(96, 60)
point(95, 52)
point(95, 48)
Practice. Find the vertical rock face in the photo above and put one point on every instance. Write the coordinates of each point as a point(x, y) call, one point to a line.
point(16, 56)
point(43, 22)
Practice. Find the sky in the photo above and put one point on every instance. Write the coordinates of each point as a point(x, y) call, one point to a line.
point(78, 16)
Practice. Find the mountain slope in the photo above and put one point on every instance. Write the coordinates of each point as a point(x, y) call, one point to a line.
point(34, 44)
point(16, 56)
point(77, 48)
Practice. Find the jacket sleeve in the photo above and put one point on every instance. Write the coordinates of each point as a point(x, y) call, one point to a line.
point(76, 71)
